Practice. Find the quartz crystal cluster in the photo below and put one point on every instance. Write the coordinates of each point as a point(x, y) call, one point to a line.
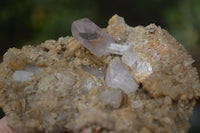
point(120, 79)
point(100, 43)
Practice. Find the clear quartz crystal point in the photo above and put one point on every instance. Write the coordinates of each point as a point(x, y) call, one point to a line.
point(118, 76)
point(95, 39)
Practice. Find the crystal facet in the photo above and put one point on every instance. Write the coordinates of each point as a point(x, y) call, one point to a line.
point(118, 76)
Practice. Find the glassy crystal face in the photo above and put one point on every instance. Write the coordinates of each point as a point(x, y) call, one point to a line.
point(91, 36)
point(118, 76)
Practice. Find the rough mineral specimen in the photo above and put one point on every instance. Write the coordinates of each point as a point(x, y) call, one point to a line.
point(61, 86)
point(159, 61)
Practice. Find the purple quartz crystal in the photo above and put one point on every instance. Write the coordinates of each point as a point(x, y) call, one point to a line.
point(91, 36)
point(118, 76)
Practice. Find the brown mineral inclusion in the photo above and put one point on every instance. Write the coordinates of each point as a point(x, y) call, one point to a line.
point(59, 86)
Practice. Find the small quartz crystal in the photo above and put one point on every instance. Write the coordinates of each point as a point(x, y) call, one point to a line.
point(139, 66)
point(97, 73)
point(22, 75)
point(95, 39)
point(118, 76)
point(112, 97)
point(26, 73)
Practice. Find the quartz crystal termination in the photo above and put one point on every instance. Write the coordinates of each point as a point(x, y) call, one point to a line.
point(95, 39)
point(118, 76)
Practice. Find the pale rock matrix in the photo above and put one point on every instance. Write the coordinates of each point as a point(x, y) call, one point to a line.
point(120, 79)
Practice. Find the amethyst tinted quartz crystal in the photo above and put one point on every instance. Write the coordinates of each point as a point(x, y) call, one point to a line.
point(118, 76)
point(95, 39)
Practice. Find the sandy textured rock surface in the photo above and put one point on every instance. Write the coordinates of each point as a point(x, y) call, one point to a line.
point(59, 85)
